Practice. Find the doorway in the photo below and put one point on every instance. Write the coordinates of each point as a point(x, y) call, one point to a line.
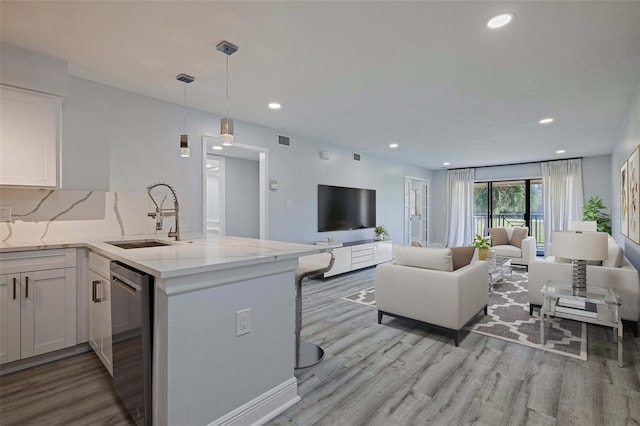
point(243, 210)
point(215, 188)
point(416, 211)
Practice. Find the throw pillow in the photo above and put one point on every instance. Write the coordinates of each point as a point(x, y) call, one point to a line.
point(416, 244)
point(615, 255)
point(518, 235)
point(461, 256)
point(427, 258)
point(498, 236)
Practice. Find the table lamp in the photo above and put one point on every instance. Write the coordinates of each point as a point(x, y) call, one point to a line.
point(580, 247)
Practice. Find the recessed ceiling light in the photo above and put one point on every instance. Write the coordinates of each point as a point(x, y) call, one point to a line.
point(560, 151)
point(217, 147)
point(274, 105)
point(500, 20)
point(547, 120)
point(446, 164)
point(393, 145)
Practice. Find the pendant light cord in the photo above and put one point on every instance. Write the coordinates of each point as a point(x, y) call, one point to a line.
point(185, 108)
point(227, 106)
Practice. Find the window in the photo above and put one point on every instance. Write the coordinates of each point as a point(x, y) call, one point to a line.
point(509, 203)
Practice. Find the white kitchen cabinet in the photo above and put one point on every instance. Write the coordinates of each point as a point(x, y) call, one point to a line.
point(39, 316)
point(30, 129)
point(100, 309)
point(9, 318)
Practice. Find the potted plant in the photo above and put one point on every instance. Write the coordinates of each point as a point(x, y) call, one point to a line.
point(595, 209)
point(482, 245)
point(381, 232)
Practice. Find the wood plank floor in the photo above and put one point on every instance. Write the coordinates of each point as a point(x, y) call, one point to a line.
point(72, 391)
point(400, 373)
point(393, 374)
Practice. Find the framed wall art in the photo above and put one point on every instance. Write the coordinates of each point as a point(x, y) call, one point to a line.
point(633, 196)
point(624, 200)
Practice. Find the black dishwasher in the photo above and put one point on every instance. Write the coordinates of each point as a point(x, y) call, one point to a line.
point(131, 333)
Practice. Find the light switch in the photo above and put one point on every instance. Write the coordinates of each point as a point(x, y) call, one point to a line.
point(289, 204)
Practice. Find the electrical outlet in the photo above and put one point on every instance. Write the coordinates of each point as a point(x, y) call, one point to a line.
point(5, 214)
point(289, 204)
point(243, 322)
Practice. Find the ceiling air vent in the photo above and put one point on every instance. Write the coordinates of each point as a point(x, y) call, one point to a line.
point(284, 141)
point(356, 156)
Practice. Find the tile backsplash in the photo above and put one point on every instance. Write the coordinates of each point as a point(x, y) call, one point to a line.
point(52, 215)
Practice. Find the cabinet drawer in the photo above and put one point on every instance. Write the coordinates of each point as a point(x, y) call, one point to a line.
point(362, 256)
point(99, 264)
point(16, 262)
point(362, 264)
point(362, 248)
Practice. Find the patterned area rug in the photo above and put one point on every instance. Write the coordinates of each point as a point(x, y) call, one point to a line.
point(364, 297)
point(508, 319)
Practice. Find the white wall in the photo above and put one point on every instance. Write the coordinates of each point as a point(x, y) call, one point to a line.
point(628, 141)
point(596, 178)
point(87, 133)
point(242, 204)
point(120, 142)
point(24, 68)
point(512, 172)
point(438, 221)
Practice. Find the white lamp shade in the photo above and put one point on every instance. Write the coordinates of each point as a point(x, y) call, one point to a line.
point(580, 245)
point(583, 225)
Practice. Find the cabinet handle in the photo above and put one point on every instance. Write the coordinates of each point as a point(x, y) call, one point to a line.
point(14, 287)
point(26, 293)
point(94, 291)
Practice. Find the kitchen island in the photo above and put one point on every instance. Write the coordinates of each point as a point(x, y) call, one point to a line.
point(203, 372)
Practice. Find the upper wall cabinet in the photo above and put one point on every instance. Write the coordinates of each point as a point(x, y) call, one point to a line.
point(30, 128)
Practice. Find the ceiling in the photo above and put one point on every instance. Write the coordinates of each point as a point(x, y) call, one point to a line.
point(429, 76)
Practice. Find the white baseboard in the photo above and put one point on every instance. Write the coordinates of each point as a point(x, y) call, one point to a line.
point(263, 408)
point(34, 361)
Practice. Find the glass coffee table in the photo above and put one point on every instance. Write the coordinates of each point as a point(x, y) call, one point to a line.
point(594, 305)
point(499, 267)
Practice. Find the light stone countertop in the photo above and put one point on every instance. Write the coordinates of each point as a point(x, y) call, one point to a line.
point(195, 253)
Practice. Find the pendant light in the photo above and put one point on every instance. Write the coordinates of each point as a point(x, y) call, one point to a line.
point(184, 139)
point(226, 124)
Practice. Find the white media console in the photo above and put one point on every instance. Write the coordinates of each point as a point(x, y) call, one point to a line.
point(359, 254)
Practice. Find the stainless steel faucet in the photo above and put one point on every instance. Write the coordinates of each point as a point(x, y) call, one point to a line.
point(160, 213)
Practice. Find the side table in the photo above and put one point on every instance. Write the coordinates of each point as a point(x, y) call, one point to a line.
point(604, 299)
point(499, 267)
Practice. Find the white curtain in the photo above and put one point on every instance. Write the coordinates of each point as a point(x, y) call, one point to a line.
point(562, 195)
point(460, 204)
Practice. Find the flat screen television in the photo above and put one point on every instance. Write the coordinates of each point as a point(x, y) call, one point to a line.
point(343, 209)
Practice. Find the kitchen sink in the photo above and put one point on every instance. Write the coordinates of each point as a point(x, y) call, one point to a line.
point(136, 244)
